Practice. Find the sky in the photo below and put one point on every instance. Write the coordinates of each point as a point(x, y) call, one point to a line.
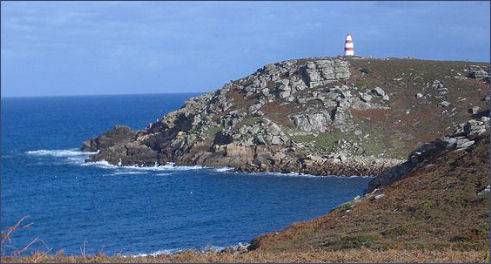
point(92, 48)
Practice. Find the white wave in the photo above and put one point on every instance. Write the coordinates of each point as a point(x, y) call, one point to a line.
point(154, 254)
point(361, 176)
point(125, 172)
point(167, 167)
point(284, 174)
point(305, 175)
point(224, 169)
point(175, 251)
point(78, 157)
point(101, 164)
point(59, 152)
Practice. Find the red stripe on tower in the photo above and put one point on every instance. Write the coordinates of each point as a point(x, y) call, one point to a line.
point(348, 46)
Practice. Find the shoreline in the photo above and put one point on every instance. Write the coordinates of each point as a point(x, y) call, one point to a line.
point(318, 167)
point(362, 255)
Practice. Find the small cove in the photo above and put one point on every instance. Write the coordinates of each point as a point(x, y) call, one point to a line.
point(133, 210)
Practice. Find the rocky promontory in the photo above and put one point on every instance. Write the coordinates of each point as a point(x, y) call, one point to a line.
point(342, 116)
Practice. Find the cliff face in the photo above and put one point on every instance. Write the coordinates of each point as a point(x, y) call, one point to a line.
point(322, 115)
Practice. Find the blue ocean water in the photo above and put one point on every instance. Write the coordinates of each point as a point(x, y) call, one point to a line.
point(76, 206)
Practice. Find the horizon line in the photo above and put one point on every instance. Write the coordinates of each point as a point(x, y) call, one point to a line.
point(200, 92)
point(88, 95)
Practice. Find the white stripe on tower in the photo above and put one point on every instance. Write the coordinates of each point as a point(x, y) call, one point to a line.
point(348, 46)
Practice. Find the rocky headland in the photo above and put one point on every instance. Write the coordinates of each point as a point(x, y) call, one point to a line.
point(322, 116)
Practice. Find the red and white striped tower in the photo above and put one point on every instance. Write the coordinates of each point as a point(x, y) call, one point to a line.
point(348, 46)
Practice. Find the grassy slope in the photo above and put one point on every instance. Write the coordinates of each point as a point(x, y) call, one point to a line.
point(402, 79)
point(435, 207)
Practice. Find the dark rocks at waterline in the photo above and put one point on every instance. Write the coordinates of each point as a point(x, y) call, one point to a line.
point(131, 153)
point(118, 135)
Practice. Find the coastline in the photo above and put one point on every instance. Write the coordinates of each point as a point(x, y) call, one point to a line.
point(315, 256)
point(353, 166)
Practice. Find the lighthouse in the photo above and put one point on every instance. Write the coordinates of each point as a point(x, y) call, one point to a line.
point(348, 46)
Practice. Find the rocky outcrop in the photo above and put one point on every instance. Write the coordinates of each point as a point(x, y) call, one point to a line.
point(129, 153)
point(118, 135)
point(322, 72)
point(316, 115)
point(463, 137)
point(314, 122)
point(478, 72)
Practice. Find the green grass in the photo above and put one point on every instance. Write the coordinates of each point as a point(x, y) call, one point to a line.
point(353, 242)
point(251, 120)
point(323, 142)
point(212, 131)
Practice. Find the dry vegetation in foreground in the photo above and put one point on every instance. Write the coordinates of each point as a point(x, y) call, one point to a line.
point(359, 255)
point(435, 207)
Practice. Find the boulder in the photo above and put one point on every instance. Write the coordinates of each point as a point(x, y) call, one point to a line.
point(366, 97)
point(463, 143)
point(484, 192)
point(474, 128)
point(478, 73)
point(118, 135)
point(474, 110)
point(444, 104)
point(314, 122)
point(276, 140)
point(132, 153)
point(378, 91)
point(321, 72)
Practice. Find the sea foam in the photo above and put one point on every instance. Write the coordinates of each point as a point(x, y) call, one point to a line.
point(59, 152)
point(167, 167)
point(78, 157)
point(175, 251)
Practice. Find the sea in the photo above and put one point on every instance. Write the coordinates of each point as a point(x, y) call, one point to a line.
point(76, 207)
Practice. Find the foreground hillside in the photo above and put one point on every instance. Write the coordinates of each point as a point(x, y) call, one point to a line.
point(344, 116)
point(440, 203)
point(350, 256)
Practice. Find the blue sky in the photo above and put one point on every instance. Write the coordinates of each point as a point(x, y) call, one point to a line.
point(81, 48)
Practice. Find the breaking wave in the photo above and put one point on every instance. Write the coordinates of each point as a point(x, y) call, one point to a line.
point(78, 157)
point(175, 251)
point(59, 152)
point(167, 167)
point(224, 169)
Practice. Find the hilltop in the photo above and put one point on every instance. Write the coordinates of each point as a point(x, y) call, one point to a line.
point(343, 115)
